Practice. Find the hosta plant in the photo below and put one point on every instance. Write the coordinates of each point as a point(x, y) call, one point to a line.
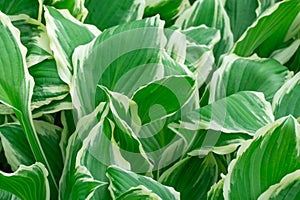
point(149, 99)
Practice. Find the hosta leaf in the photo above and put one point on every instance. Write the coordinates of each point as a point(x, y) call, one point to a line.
point(48, 86)
point(15, 7)
point(265, 160)
point(49, 136)
point(141, 52)
point(16, 87)
point(83, 128)
point(139, 193)
point(192, 176)
point(272, 28)
point(7, 196)
point(168, 10)
point(247, 74)
point(108, 13)
point(27, 182)
point(287, 188)
point(63, 29)
point(285, 54)
point(241, 112)
point(34, 37)
point(288, 93)
point(121, 181)
point(216, 191)
point(75, 7)
point(263, 5)
point(211, 14)
point(69, 127)
point(84, 185)
point(241, 15)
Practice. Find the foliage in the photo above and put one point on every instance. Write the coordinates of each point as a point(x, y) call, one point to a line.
point(149, 99)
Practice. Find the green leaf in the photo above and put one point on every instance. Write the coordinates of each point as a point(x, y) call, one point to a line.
point(121, 181)
point(139, 193)
point(107, 13)
point(265, 160)
point(275, 26)
point(168, 10)
point(49, 136)
point(192, 176)
point(7, 196)
point(283, 55)
point(216, 191)
point(48, 86)
point(27, 182)
point(72, 163)
point(287, 188)
point(244, 112)
point(247, 74)
point(75, 7)
point(16, 7)
point(288, 93)
point(241, 15)
point(141, 51)
point(63, 29)
point(34, 38)
point(212, 14)
point(17, 87)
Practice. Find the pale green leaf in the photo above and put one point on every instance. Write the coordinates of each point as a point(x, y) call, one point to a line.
point(216, 191)
point(139, 193)
point(265, 160)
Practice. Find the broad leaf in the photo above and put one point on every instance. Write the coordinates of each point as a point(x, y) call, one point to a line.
point(212, 14)
point(107, 13)
point(272, 28)
point(241, 112)
point(16, 7)
point(27, 182)
point(287, 188)
point(216, 191)
point(34, 37)
point(247, 74)
point(121, 181)
point(199, 173)
point(139, 193)
point(265, 160)
point(63, 29)
point(288, 93)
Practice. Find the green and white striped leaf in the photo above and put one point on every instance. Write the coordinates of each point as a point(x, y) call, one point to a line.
point(16, 7)
point(83, 128)
point(139, 193)
point(168, 10)
point(287, 188)
point(212, 14)
point(49, 136)
point(27, 182)
point(242, 112)
point(263, 5)
point(247, 74)
point(288, 93)
point(75, 7)
point(34, 37)
point(265, 160)
point(63, 29)
point(7, 196)
point(107, 13)
point(48, 86)
point(216, 191)
point(275, 26)
point(285, 54)
point(121, 181)
point(241, 14)
point(199, 174)
point(16, 87)
point(141, 51)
